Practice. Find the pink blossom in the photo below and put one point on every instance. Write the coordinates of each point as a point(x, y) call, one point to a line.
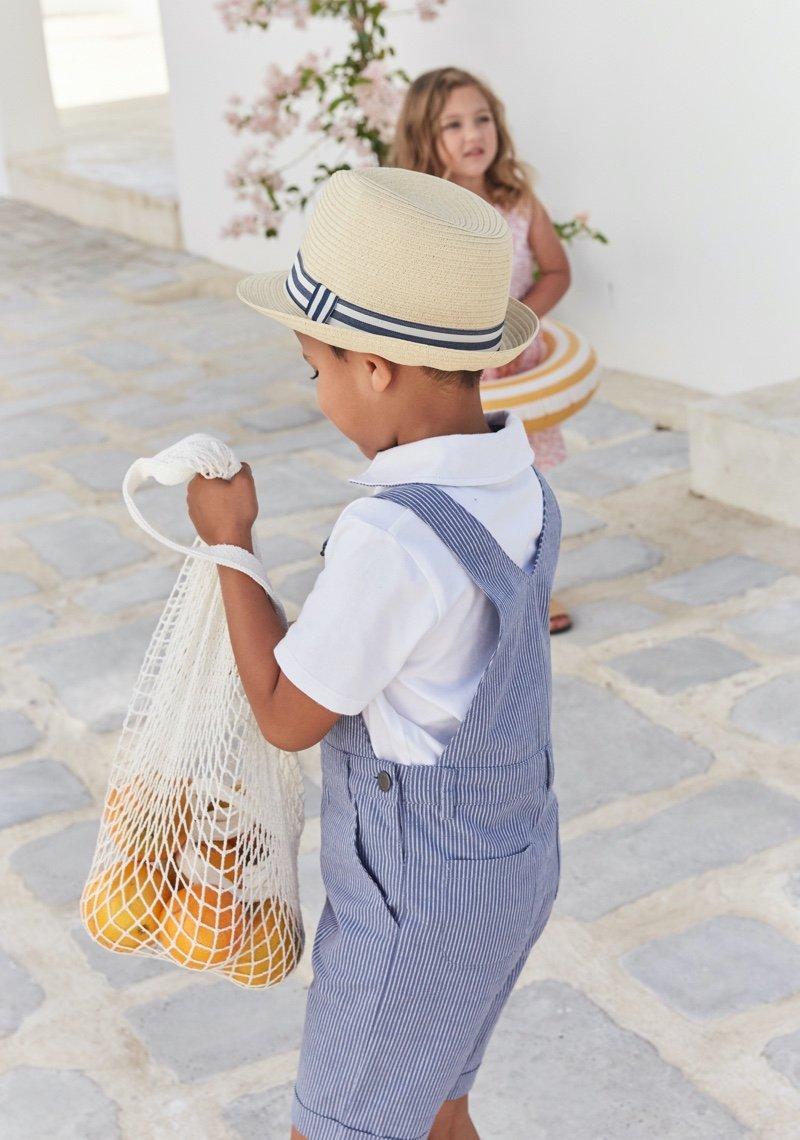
point(378, 99)
point(288, 97)
point(243, 224)
point(582, 217)
point(244, 13)
point(429, 9)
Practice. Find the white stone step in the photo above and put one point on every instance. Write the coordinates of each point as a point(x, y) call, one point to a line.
point(745, 450)
point(113, 170)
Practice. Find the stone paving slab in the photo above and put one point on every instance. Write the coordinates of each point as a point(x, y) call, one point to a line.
point(775, 628)
point(120, 970)
point(276, 418)
point(36, 504)
point(600, 420)
point(263, 1114)
point(603, 870)
point(82, 546)
point(101, 470)
point(597, 621)
point(39, 787)
point(141, 411)
point(717, 581)
point(16, 480)
point(93, 675)
point(25, 435)
point(55, 867)
point(35, 1103)
point(52, 380)
point(122, 355)
point(771, 711)
point(162, 378)
point(296, 587)
point(16, 586)
point(82, 321)
point(312, 889)
point(283, 549)
point(149, 585)
point(576, 522)
point(604, 559)
point(20, 995)
point(59, 397)
point(629, 754)
point(559, 1066)
point(17, 732)
point(604, 470)
point(165, 510)
point(783, 1053)
point(289, 485)
point(24, 623)
point(681, 664)
point(719, 967)
point(248, 1026)
point(309, 438)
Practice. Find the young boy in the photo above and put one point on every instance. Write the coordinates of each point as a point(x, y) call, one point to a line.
point(421, 658)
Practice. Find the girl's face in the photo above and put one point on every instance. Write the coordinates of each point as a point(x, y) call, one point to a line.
point(467, 142)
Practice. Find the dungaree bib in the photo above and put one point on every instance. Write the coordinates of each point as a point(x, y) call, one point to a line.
point(439, 878)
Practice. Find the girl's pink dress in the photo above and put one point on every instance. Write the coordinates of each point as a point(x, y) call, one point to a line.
point(548, 445)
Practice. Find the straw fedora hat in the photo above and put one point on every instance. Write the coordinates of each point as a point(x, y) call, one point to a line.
point(405, 265)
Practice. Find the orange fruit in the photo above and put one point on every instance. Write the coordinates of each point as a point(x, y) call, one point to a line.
point(201, 926)
point(122, 907)
point(134, 817)
point(223, 856)
point(271, 948)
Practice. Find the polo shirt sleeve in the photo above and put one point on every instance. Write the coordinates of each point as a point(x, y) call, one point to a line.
point(370, 606)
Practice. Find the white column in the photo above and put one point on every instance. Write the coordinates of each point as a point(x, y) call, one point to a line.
point(28, 119)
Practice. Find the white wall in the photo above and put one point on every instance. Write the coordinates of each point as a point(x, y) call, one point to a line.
point(27, 115)
point(674, 122)
point(104, 50)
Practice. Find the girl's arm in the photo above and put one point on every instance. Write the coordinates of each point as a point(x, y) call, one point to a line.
point(223, 511)
point(554, 275)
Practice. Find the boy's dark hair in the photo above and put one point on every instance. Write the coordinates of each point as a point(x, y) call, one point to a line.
point(460, 376)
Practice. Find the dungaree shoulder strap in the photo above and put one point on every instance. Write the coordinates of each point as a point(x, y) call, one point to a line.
point(467, 538)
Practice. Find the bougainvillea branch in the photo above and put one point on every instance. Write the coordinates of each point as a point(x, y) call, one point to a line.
point(348, 105)
point(578, 227)
point(350, 102)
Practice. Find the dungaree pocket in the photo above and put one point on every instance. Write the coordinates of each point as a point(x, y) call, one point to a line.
point(491, 907)
point(497, 869)
point(357, 900)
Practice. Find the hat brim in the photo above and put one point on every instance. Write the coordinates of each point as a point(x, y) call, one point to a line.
point(265, 293)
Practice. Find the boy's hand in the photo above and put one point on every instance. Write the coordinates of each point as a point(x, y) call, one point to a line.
point(223, 510)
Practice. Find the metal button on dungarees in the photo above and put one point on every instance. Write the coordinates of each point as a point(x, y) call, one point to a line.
point(384, 781)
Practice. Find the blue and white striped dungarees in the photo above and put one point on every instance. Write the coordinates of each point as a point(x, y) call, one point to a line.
point(439, 878)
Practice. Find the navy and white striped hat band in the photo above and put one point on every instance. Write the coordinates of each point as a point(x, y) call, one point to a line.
point(319, 303)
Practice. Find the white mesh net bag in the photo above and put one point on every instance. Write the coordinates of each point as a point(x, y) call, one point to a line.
point(196, 860)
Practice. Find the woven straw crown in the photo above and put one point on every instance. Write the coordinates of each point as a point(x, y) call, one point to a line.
point(417, 267)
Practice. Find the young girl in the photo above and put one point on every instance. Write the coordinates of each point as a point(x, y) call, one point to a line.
point(452, 125)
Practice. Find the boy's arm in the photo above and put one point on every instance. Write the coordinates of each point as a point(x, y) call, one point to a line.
point(224, 511)
point(286, 716)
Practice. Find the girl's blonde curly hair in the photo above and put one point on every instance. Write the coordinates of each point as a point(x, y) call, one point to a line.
point(417, 134)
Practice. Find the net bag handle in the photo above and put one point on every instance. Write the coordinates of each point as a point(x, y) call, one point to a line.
point(204, 455)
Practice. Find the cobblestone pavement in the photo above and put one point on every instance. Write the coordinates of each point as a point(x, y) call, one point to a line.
point(664, 998)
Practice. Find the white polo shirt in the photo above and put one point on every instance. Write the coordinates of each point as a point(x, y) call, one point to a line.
point(394, 627)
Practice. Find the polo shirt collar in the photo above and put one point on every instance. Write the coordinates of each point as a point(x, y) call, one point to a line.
point(455, 460)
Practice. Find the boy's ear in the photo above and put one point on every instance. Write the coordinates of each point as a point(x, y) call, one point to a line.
point(381, 372)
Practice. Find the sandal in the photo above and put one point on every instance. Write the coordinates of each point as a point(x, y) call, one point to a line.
point(560, 621)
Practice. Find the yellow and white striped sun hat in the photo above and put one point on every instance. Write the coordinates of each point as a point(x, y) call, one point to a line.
point(553, 391)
